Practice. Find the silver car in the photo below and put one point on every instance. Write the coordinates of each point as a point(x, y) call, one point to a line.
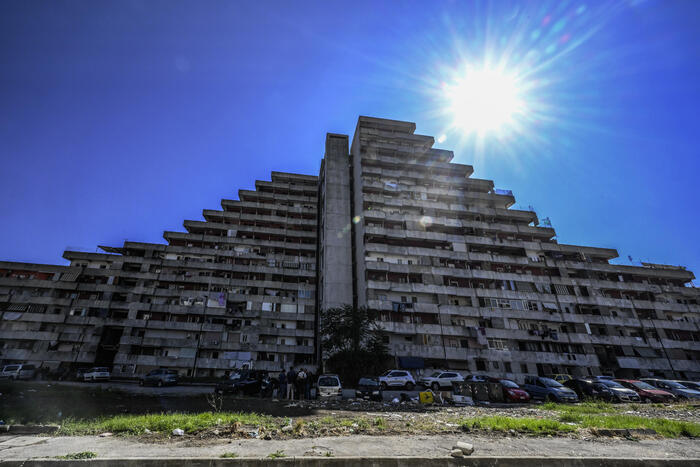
point(18, 371)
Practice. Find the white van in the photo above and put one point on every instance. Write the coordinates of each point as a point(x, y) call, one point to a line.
point(18, 371)
point(329, 386)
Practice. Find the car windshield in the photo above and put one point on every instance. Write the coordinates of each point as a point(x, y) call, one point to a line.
point(436, 374)
point(386, 373)
point(368, 382)
point(612, 384)
point(549, 382)
point(509, 384)
point(328, 381)
point(171, 372)
point(642, 385)
point(675, 385)
point(10, 368)
point(102, 369)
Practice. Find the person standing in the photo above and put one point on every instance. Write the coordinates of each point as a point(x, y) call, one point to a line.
point(301, 384)
point(291, 381)
point(283, 384)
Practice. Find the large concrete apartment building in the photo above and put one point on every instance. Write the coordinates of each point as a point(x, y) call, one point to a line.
point(461, 281)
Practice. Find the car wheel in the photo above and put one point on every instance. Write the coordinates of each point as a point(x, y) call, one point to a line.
point(551, 398)
point(409, 386)
point(435, 387)
point(383, 386)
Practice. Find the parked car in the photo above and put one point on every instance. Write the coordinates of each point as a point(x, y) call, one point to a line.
point(369, 388)
point(694, 385)
point(441, 380)
point(547, 389)
point(674, 388)
point(512, 392)
point(620, 392)
point(476, 378)
point(560, 377)
point(18, 371)
point(80, 374)
point(588, 388)
point(397, 378)
point(329, 386)
point(98, 373)
point(601, 377)
point(159, 377)
point(246, 382)
point(646, 391)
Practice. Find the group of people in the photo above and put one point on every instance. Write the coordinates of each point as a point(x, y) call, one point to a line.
point(295, 384)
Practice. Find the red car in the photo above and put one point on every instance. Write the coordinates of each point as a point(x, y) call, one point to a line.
point(646, 391)
point(512, 392)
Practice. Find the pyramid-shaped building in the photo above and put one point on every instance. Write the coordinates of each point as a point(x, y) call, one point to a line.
point(460, 280)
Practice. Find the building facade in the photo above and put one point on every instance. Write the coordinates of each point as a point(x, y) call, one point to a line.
point(461, 281)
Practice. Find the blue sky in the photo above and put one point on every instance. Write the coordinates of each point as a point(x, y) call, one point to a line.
point(121, 119)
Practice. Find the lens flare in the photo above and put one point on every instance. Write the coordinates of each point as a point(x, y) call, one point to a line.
point(484, 100)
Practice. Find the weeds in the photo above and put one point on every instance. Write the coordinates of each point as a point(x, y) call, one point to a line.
point(228, 455)
point(164, 423)
point(277, 454)
point(539, 426)
point(664, 427)
point(78, 455)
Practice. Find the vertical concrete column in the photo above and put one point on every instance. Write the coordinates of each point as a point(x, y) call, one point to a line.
point(335, 283)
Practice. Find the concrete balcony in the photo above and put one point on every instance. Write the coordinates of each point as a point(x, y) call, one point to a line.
point(644, 363)
point(153, 361)
point(39, 336)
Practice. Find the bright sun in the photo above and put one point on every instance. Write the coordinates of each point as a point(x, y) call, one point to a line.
point(484, 100)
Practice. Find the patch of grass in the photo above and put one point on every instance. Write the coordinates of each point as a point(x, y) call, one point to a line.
point(663, 426)
point(588, 407)
point(277, 454)
point(539, 426)
point(380, 423)
point(164, 423)
point(228, 455)
point(79, 455)
point(328, 454)
point(298, 426)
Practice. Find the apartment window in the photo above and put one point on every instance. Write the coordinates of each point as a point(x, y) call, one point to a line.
point(497, 344)
point(523, 368)
point(507, 367)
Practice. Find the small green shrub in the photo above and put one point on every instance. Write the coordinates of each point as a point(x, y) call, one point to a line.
point(79, 455)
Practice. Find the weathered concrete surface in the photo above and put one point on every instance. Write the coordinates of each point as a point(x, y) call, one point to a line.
point(363, 462)
point(27, 447)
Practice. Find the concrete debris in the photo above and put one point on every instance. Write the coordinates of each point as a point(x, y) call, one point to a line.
point(178, 432)
point(104, 435)
point(466, 448)
point(456, 453)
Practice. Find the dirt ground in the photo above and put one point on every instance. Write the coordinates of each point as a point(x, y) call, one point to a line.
point(25, 447)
